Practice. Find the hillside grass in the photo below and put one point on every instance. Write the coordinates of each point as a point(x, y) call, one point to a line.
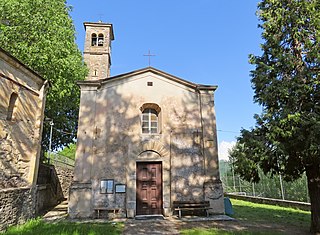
point(248, 211)
point(259, 216)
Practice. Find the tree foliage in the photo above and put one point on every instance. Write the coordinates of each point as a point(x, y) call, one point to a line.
point(41, 34)
point(286, 82)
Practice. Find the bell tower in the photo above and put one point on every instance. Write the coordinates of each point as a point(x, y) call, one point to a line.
point(97, 49)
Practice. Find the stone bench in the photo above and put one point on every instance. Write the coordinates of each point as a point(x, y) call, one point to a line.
point(191, 206)
point(100, 209)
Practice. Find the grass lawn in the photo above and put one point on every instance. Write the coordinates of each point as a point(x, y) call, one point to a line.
point(248, 211)
point(38, 226)
point(252, 218)
point(260, 219)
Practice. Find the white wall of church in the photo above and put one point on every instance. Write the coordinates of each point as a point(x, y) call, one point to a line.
point(110, 139)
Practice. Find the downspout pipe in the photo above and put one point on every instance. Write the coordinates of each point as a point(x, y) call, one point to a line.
point(202, 130)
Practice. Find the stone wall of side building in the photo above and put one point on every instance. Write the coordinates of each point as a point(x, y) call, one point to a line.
point(16, 206)
point(22, 100)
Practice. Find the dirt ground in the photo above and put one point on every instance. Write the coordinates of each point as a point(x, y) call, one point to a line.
point(172, 226)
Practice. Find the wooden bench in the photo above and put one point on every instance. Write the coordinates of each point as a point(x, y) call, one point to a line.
point(99, 209)
point(191, 206)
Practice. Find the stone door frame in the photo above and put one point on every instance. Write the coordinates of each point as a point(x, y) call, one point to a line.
point(150, 151)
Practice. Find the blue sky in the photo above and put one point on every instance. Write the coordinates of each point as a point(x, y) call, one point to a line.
point(204, 41)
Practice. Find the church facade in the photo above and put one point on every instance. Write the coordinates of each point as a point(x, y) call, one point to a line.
point(145, 139)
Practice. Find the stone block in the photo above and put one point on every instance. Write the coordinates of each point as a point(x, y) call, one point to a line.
point(214, 194)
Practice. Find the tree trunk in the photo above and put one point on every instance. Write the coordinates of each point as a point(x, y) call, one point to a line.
point(313, 175)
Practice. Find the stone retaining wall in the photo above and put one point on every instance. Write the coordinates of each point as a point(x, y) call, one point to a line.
point(49, 189)
point(271, 201)
point(46, 198)
point(16, 206)
point(65, 176)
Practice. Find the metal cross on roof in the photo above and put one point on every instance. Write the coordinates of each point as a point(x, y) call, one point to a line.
point(149, 55)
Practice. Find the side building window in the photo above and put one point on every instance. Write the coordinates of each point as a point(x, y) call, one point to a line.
point(94, 39)
point(12, 103)
point(150, 117)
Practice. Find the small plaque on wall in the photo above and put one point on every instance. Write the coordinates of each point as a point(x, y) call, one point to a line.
point(120, 188)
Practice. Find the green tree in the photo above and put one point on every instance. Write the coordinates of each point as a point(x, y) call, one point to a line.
point(41, 34)
point(286, 82)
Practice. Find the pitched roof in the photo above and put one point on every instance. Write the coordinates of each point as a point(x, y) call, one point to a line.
point(144, 70)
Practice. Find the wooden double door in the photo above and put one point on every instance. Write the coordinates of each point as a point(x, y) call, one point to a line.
point(149, 188)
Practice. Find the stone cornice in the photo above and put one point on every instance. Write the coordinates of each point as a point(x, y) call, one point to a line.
point(152, 70)
point(100, 24)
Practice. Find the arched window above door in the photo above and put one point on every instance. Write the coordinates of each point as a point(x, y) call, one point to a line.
point(150, 118)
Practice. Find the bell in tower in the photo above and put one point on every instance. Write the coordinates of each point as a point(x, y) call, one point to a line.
point(97, 49)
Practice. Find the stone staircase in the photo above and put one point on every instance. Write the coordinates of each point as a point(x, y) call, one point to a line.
point(60, 212)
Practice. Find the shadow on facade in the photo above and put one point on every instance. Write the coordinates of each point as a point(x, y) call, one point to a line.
point(110, 144)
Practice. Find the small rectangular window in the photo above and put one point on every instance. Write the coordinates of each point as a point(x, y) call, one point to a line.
point(106, 186)
point(150, 83)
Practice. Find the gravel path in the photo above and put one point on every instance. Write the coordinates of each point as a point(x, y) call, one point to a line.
point(161, 227)
point(152, 226)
